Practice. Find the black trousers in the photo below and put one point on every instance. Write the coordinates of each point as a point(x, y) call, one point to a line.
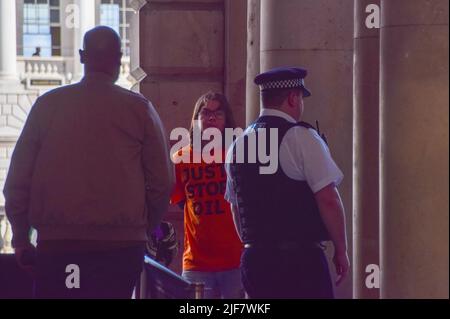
point(271, 273)
point(108, 274)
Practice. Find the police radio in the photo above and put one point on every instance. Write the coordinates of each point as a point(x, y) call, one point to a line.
point(322, 135)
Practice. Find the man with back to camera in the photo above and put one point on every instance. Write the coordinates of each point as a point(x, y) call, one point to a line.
point(91, 173)
point(283, 218)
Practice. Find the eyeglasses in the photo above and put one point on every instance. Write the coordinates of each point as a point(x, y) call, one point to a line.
point(218, 114)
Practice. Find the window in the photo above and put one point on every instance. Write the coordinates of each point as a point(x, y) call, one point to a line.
point(41, 28)
point(110, 16)
point(117, 15)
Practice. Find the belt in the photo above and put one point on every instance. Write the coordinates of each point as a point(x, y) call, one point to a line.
point(286, 245)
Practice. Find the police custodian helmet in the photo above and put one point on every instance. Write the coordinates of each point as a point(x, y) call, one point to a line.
point(283, 78)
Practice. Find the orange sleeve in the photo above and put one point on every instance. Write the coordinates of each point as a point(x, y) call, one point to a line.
point(178, 194)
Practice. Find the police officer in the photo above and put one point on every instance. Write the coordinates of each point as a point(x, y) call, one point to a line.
point(283, 218)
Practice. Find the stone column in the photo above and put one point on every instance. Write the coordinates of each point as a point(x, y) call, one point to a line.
point(414, 149)
point(8, 42)
point(365, 148)
point(137, 73)
point(253, 59)
point(182, 54)
point(86, 21)
point(319, 36)
point(235, 57)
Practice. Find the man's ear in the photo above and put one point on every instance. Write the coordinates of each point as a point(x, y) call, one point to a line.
point(293, 98)
point(82, 56)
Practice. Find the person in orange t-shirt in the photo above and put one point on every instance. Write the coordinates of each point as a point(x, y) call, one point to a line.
point(212, 248)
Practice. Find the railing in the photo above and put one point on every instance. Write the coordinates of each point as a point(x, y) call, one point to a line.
point(38, 72)
point(158, 282)
point(125, 68)
point(5, 235)
point(125, 80)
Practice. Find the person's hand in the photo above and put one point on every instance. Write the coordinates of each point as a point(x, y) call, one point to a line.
point(342, 264)
point(25, 257)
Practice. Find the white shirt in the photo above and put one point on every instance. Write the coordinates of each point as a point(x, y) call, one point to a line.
point(304, 156)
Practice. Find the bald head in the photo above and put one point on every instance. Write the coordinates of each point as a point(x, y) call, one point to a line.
point(101, 51)
point(102, 40)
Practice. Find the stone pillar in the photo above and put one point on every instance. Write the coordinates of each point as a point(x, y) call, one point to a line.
point(365, 149)
point(83, 23)
point(182, 53)
point(321, 39)
point(8, 42)
point(414, 149)
point(253, 59)
point(235, 57)
point(136, 72)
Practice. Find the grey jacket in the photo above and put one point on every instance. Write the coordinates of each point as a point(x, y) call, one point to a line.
point(92, 163)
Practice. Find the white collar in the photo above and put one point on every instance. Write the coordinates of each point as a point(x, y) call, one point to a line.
point(278, 113)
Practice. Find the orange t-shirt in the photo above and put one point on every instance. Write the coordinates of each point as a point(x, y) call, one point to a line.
point(210, 239)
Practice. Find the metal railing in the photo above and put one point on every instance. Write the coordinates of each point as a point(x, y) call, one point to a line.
point(156, 281)
point(159, 282)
